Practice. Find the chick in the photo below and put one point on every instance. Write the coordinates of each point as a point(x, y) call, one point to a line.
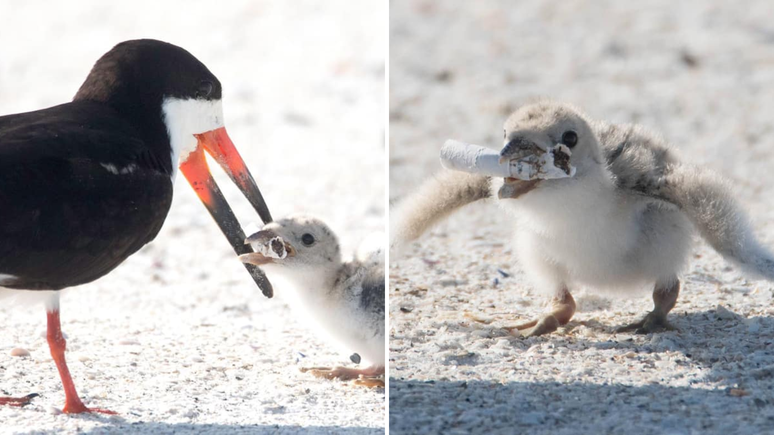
point(344, 300)
point(624, 220)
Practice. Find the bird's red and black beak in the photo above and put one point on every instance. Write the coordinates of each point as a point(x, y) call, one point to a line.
point(195, 169)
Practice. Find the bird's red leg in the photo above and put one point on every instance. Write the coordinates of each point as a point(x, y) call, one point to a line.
point(57, 344)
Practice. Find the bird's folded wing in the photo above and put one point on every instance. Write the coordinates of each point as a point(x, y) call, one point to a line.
point(639, 161)
point(70, 131)
point(69, 202)
point(372, 298)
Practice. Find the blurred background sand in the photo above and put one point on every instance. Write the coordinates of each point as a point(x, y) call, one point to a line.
point(179, 338)
point(699, 72)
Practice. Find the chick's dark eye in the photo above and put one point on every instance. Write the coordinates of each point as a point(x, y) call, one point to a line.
point(204, 90)
point(307, 239)
point(570, 138)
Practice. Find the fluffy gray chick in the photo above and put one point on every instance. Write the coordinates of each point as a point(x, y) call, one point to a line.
point(625, 220)
point(343, 300)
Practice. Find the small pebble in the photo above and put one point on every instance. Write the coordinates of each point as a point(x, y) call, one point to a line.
point(502, 343)
point(723, 313)
point(763, 373)
point(53, 410)
point(128, 342)
point(17, 351)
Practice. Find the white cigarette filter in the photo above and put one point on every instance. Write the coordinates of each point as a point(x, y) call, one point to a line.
point(274, 248)
point(460, 156)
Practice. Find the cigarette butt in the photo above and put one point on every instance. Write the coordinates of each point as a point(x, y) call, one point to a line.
point(460, 156)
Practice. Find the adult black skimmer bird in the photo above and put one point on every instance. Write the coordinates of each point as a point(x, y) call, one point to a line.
point(86, 184)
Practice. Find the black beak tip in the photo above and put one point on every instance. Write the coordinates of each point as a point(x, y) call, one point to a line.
point(260, 279)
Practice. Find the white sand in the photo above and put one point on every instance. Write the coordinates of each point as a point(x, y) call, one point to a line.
point(699, 72)
point(179, 339)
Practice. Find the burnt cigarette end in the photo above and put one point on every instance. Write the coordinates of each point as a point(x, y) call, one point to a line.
point(561, 160)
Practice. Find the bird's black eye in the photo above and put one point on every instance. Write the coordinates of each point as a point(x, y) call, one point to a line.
point(204, 90)
point(570, 138)
point(307, 239)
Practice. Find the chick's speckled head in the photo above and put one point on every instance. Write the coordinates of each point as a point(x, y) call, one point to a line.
point(546, 124)
point(297, 241)
point(541, 127)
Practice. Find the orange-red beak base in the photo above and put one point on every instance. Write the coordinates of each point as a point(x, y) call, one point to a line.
point(219, 146)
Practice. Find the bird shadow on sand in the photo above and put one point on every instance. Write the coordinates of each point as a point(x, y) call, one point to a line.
point(731, 351)
point(192, 428)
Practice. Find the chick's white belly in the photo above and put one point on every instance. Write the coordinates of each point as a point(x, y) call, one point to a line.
point(349, 327)
point(607, 254)
point(362, 332)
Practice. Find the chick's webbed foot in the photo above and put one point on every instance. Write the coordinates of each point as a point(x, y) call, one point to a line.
point(369, 382)
point(534, 328)
point(562, 310)
point(664, 299)
point(370, 377)
point(652, 322)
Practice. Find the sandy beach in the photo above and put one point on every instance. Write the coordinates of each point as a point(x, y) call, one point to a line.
point(700, 73)
point(179, 339)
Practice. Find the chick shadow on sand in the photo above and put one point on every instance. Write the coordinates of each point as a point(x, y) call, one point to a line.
point(555, 408)
point(122, 427)
point(721, 344)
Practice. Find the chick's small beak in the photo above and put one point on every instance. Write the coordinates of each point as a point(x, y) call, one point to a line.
point(513, 188)
point(261, 237)
point(270, 247)
point(255, 258)
point(518, 148)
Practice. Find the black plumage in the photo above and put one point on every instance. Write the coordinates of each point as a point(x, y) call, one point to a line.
point(80, 191)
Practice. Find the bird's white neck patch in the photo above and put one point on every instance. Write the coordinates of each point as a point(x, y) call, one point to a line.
point(184, 119)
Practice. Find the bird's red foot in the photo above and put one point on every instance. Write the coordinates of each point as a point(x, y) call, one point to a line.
point(80, 408)
point(18, 401)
